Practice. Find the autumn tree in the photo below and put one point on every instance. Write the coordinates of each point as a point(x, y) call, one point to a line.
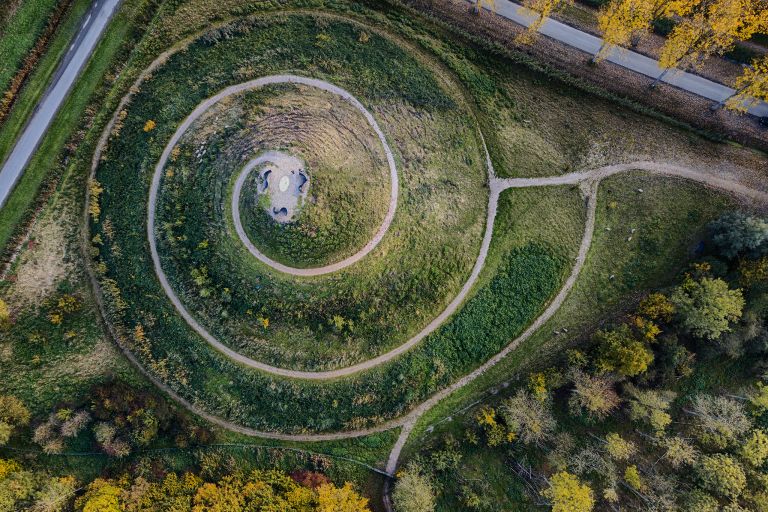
point(568, 494)
point(340, 499)
point(529, 418)
point(100, 496)
point(239, 492)
point(13, 414)
point(5, 316)
point(480, 5)
point(413, 491)
point(619, 351)
point(707, 306)
point(622, 22)
point(719, 421)
point(540, 10)
point(751, 87)
point(721, 475)
point(656, 306)
point(495, 433)
point(649, 406)
point(678, 451)
point(593, 395)
point(618, 448)
point(633, 478)
point(61, 425)
point(712, 28)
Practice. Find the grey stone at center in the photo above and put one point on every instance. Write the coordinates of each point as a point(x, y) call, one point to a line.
point(283, 181)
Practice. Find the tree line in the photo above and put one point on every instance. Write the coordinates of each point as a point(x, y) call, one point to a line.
point(701, 29)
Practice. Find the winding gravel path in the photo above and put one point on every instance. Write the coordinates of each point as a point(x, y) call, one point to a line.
point(284, 372)
point(302, 272)
point(589, 182)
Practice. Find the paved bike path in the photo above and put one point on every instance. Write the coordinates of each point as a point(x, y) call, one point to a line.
point(623, 57)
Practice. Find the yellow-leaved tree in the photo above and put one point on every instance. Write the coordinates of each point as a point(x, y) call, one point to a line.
point(623, 22)
point(712, 28)
point(540, 9)
point(751, 87)
point(568, 494)
point(480, 4)
point(340, 499)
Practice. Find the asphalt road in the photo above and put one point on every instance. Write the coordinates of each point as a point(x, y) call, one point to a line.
point(92, 27)
point(623, 57)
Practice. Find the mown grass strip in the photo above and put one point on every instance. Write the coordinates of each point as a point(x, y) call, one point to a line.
point(65, 123)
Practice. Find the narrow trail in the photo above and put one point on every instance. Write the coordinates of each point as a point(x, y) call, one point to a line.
point(589, 182)
point(708, 178)
point(201, 109)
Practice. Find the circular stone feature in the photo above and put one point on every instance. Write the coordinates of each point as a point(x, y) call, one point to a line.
point(283, 201)
point(341, 184)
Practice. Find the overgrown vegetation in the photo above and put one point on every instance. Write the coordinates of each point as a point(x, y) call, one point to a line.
point(677, 428)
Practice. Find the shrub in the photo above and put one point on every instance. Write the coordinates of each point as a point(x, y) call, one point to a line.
point(413, 491)
point(707, 306)
point(736, 234)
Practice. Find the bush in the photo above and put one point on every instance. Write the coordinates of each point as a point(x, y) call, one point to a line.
point(737, 234)
point(413, 491)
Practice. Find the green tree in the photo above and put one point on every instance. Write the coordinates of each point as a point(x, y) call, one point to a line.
point(619, 351)
point(33, 491)
point(568, 494)
point(13, 414)
point(737, 234)
point(699, 501)
point(650, 406)
point(707, 306)
point(413, 491)
point(755, 449)
point(721, 475)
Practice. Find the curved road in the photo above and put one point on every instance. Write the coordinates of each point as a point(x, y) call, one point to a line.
point(93, 26)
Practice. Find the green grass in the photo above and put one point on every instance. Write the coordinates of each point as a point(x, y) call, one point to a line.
point(410, 277)
point(348, 190)
point(38, 80)
point(19, 34)
point(66, 121)
point(669, 218)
